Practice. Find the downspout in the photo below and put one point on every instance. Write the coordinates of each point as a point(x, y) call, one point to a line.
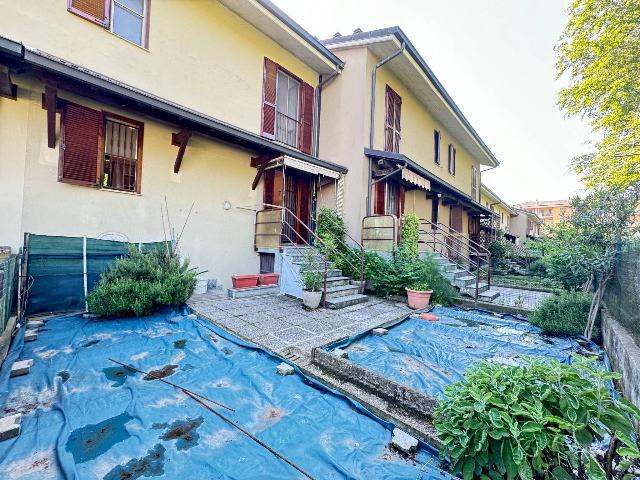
point(372, 122)
point(316, 139)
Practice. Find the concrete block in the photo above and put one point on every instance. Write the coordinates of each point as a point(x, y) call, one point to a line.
point(192, 316)
point(341, 353)
point(10, 426)
point(285, 369)
point(379, 332)
point(30, 335)
point(21, 367)
point(32, 324)
point(403, 441)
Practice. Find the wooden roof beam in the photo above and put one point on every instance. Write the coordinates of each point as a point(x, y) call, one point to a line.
point(180, 139)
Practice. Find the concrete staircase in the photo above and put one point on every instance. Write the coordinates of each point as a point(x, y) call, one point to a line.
point(341, 291)
point(464, 279)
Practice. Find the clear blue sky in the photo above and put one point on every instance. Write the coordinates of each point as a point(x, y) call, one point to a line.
point(496, 59)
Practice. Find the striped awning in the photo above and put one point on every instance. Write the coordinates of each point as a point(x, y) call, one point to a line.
point(416, 179)
point(305, 166)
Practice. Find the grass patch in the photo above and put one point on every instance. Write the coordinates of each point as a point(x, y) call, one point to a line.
point(528, 281)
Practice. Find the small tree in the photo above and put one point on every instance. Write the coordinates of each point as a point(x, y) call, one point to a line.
point(582, 251)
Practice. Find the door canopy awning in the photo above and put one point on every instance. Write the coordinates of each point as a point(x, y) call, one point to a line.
point(305, 166)
point(415, 179)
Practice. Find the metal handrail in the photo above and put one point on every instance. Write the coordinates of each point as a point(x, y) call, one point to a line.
point(313, 235)
point(450, 230)
point(360, 247)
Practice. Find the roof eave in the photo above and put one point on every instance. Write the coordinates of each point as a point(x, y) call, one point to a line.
point(396, 33)
point(417, 168)
point(162, 108)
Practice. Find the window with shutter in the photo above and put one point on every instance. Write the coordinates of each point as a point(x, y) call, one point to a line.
point(128, 19)
point(436, 147)
point(269, 82)
point(452, 160)
point(97, 11)
point(306, 118)
point(80, 146)
point(392, 136)
point(287, 108)
point(474, 182)
point(122, 150)
point(99, 149)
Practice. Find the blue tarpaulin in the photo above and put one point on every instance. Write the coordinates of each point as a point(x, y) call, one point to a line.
point(429, 355)
point(85, 417)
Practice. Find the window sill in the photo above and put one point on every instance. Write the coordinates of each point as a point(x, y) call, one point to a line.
point(121, 192)
point(144, 49)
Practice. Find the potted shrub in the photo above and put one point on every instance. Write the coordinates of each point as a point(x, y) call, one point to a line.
point(418, 296)
point(312, 280)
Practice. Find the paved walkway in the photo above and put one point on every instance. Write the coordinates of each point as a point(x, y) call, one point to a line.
point(278, 322)
point(518, 297)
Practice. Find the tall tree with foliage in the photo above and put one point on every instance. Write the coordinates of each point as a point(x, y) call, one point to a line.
point(599, 53)
point(582, 251)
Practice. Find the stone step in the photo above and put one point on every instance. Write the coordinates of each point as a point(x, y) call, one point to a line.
point(489, 295)
point(465, 281)
point(342, 291)
point(455, 274)
point(471, 289)
point(253, 291)
point(337, 281)
point(346, 301)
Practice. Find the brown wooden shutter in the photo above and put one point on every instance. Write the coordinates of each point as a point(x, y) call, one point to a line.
point(270, 75)
point(388, 119)
point(400, 207)
point(80, 147)
point(455, 218)
point(379, 205)
point(306, 118)
point(97, 11)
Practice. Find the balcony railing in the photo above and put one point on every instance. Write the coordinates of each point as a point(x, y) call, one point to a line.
point(287, 129)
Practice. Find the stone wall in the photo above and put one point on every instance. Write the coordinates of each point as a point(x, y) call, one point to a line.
point(624, 354)
point(623, 291)
point(373, 382)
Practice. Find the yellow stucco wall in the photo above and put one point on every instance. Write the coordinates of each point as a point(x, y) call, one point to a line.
point(201, 55)
point(217, 240)
point(417, 126)
point(498, 208)
point(343, 129)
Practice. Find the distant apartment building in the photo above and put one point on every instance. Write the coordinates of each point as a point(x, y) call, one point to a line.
point(551, 212)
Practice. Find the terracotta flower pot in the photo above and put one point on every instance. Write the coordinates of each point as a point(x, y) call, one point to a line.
point(244, 281)
point(311, 300)
point(269, 278)
point(418, 300)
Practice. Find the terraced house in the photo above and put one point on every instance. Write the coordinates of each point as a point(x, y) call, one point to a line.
point(502, 215)
point(109, 107)
point(406, 143)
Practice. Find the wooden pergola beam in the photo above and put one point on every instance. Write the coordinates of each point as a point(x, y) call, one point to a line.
point(51, 102)
point(180, 139)
point(261, 162)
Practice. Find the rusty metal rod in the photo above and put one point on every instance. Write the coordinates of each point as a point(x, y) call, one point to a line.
point(248, 434)
point(183, 389)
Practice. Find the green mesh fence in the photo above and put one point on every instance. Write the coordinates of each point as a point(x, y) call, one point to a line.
point(8, 289)
point(56, 269)
point(623, 292)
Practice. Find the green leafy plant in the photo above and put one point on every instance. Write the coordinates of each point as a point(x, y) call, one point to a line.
point(537, 267)
point(420, 287)
point(564, 314)
point(392, 276)
point(528, 281)
point(311, 271)
point(535, 421)
point(498, 250)
point(140, 283)
point(410, 236)
point(331, 233)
